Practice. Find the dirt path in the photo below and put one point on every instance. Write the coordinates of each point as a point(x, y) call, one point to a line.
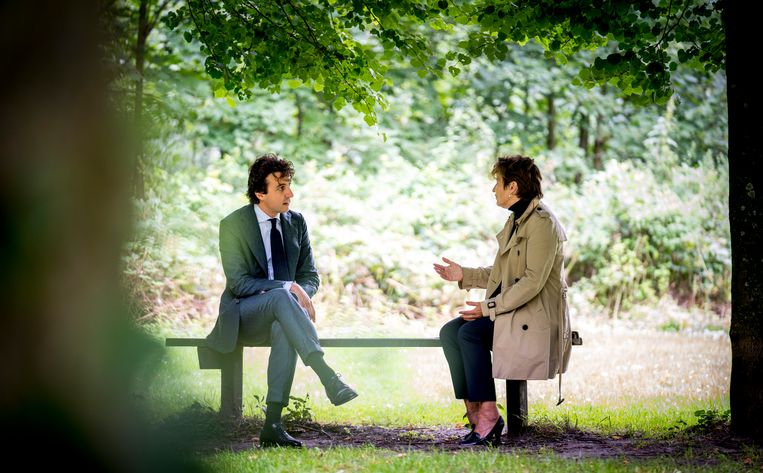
point(705, 446)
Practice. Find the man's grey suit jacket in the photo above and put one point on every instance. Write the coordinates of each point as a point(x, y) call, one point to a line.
point(246, 267)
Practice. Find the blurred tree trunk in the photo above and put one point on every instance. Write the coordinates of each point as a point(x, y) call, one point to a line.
point(70, 356)
point(551, 121)
point(140, 57)
point(583, 133)
point(599, 143)
point(526, 111)
point(147, 20)
point(300, 113)
point(745, 169)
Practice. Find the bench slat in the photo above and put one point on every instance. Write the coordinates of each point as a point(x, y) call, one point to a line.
point(330, 342)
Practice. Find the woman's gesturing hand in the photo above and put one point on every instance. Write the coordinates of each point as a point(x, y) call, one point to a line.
point(451, 272)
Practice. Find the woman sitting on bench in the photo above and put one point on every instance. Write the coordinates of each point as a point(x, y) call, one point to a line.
point(525, 320)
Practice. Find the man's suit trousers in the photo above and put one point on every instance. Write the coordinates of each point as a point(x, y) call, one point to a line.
point(467, 347)
point(276, 317)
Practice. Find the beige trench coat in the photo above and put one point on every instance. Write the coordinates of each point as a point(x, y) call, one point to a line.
point(531, 339)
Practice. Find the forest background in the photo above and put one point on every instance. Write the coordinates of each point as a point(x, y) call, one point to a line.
point(641, 190)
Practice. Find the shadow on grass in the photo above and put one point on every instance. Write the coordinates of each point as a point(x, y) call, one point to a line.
point(203, 430)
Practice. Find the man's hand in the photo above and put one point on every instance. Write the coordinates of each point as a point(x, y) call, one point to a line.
point(472, 314)
point(304, 300)
point(451, 272)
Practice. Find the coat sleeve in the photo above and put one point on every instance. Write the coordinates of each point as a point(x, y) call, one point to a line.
point(306, 275)
point(239, 279)
point(542, 245)
point(475, 278)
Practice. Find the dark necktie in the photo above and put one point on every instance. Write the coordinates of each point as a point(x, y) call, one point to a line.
point(278, 255)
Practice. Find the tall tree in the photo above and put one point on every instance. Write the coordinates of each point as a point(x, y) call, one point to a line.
point(131, 23)
point(745, 168)
point(344, 48)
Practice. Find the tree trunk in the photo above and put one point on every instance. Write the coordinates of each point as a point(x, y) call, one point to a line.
point(598, 144)
point(745, 169)
point(300, 113)
point(551, 117)
point(140, 57)
point(583, 133)
point(526, 102)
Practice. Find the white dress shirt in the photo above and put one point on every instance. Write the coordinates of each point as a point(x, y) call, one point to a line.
point(265, 227)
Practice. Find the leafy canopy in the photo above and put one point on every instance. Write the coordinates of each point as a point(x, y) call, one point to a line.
point(345, 49)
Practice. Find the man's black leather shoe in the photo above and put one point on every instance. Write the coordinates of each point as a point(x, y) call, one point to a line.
point(338, 392)
point(273, 435)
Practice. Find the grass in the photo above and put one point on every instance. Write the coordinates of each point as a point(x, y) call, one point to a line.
point(619, 380)
point(380, 460)
point(645, 383)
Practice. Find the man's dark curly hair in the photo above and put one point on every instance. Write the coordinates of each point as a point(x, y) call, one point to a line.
point(523, 171)
point(261, 168)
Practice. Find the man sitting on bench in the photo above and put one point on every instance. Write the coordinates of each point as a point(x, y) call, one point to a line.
point(270, 278)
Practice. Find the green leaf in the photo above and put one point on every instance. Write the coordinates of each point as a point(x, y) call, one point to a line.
point(230, 101)
point(187, 36)
point(339, 103)
point(370, 119)
point(294, 83)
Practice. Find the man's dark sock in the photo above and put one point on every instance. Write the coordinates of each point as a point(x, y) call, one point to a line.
point(273, 413)
point(324, 372)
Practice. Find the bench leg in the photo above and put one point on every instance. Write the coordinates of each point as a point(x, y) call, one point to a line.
point(516, 406)
point(231, 366)
point(231, 383)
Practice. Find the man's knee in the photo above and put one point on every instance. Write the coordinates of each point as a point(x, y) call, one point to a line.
point(280, 297)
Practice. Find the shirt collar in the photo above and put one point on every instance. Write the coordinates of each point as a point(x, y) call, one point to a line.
point(261, 215)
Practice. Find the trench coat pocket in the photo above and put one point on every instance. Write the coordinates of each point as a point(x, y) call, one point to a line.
point(522, 343)
point(531, 330)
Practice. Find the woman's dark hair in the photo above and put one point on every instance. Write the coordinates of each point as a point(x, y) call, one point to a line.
point(523, 171)
point(260, 169)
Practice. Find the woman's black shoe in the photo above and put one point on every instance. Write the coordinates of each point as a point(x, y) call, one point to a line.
point(468, 438)
point(492, 439)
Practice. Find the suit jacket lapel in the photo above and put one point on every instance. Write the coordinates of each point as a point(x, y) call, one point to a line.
point(253, 235)
point(290, 242)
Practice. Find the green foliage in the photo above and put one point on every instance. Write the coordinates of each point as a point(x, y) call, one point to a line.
point(172, 257)
point(711, 418)
point(298, 411)
point(637, 236)
point(383, 203)
point(345, 50)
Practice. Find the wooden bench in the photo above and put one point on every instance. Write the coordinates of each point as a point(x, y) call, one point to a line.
point(231, 366)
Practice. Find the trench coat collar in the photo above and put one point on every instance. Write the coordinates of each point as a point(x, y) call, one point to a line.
point(503, 236)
